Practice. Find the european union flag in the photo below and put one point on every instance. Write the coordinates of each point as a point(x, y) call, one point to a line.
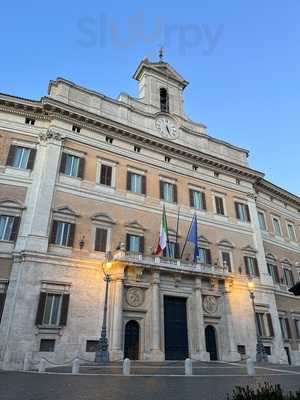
point(192, 237)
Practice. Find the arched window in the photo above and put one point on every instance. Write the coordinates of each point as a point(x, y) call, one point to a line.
point(164, 100)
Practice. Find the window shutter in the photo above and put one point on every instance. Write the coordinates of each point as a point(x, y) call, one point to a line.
point(2, 302)
point(100, 239)
point(237, 212)
point(256, 270)
point(31, 159)
point(64, 310)
point(276, 273)
point(161, 190)
point(175, 193)
point(127, 242)
point(15, 229)
point(40, 309)
point(270, 324)
point(295, 322)
point(63, 161)
point(208, 256)
point(81, 168)
point(177, 250)
point(71, 235)
point(203, 200)
point(53, 232)
point(191, 198)
point(142, 244)
point(103, 174)
point(11, 155)
point(288, 328)
point(144, 185)
point(128, 187)
point(246, 265)
point(248, 213)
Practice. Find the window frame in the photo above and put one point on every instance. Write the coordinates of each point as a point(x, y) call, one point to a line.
point(260, 212)
point(294, 236)
point(141, 242)
point(274, 218)
point(218, 195)
point(108, 163)
point(202, 196)
point(162, 183)
point(242, 212)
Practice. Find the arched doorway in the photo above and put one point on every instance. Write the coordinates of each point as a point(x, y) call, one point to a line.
point(211, 342)
point(132, 340)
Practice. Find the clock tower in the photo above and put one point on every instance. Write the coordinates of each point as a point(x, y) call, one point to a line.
point(160, 87)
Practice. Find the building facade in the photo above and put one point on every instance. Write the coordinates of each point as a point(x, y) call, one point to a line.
point(83, 181)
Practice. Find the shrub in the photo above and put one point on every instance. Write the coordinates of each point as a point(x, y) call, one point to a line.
point(265, 392)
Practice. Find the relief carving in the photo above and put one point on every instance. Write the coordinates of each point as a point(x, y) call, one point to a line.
point(135, 296)
point(210, 304)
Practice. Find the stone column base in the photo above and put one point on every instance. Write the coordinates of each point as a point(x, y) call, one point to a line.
point(156, 355)
point(116, 355)
point(200, 356)
point(232, 356)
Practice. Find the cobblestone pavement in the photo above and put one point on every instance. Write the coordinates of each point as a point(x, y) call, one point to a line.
point(150, 381)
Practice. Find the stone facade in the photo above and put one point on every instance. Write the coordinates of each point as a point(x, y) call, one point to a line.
point(69, 209)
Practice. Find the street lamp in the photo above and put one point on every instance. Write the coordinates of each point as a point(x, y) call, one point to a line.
point(260, 349)
point(102, 354)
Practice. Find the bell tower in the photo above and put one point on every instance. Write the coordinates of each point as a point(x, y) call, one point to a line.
point(160, 87)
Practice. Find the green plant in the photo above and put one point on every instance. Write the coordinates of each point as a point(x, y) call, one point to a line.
point(265, 392)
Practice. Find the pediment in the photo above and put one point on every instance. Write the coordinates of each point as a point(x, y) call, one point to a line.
point(202, 239)
point(225, 243)
point(249, 249)
point(286, 261)
point(12, 204)
point(66, 210)
point(135, 225)
point(271, 256)
point(103, 217)
point(161, 68)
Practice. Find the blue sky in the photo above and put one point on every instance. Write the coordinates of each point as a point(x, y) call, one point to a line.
point(240, 57)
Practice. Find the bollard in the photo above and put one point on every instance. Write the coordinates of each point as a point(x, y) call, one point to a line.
point(250, 367)
point(126, 367)
point(188, 366)
point(27, 362)
point(75, 366)
point(42, 365)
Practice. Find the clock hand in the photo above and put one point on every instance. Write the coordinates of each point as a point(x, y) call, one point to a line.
point(168, 129)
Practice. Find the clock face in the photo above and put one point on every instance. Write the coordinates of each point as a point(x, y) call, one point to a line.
point(167, 127)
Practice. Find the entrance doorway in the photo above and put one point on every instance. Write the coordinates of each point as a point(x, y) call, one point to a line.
point(211, 342)
point(175, 323)
point(132, 340)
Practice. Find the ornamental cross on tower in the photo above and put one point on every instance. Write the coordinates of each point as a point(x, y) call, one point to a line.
point(161, 54)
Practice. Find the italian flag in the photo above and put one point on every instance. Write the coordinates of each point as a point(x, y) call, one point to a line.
point(163, 235)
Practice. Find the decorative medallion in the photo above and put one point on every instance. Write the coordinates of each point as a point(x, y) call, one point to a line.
point(210, 304)
point(167, 127)
point(135, 296)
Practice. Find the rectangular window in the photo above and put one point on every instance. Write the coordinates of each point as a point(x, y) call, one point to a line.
point(260, 324)
point(101, 239)
point(288, 277)
point(9, 227)
point(47, 345)
point(197, 200)
point(242, 212)
point(264, 324)
point(52, 309)
point(29, 121)
point(262, 221)
point(106, 175)
point(277, 226)
point(2, 302)
point(285, 328)
point(226, 260)
point(136, 183)
point(297, 328)
point(268, 350)
point(21, 157)
point(172, 250)
point(251, 266)
point(135, 243)
point(219, 205)
point(63, 233)
point(168, 192)
point(291, 232)
point(204, 256)
point(91, 346)
point(72, 165)
point(273, 271)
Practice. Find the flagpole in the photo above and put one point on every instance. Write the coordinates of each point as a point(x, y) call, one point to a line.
point(186, 238)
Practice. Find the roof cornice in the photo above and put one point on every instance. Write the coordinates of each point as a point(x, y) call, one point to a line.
point(275, 191)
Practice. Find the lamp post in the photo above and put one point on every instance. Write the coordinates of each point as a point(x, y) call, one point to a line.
point(260, 349)
point(102, 354)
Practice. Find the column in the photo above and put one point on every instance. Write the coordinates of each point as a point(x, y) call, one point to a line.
point(199, 345)
point(34, 228)
point(230, 352)
point(156, 353)
point(116, 352)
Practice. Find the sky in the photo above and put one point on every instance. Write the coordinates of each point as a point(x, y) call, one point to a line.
point(241, 59)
